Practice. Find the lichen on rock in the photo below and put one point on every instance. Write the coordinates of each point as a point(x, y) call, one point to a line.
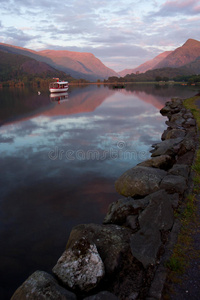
point(80, 267)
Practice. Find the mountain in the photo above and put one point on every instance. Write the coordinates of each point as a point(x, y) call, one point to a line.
point(147, 65)
point(186, 57)
point(77, 64)
point(14, 66)
point(85, 63)
point(193, 66)
point(183, 55)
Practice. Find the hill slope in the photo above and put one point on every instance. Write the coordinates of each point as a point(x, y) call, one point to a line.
point(181, 56)
point(148, 65)
point(15, 66)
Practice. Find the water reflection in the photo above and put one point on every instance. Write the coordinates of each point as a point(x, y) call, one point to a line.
point(59, 97)
point(60, 162)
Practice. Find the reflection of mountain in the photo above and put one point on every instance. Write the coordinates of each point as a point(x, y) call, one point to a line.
point(84, 101)
point(31, 105)
point(157, 95)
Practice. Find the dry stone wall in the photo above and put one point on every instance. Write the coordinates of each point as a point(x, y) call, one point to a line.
point(121, 258)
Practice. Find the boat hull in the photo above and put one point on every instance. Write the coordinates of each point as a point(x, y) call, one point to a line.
point(53, 90)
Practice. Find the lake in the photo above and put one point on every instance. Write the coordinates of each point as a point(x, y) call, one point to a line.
point(59, 161)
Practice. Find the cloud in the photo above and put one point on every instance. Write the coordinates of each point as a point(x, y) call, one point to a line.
point(14, 36)
point(178, 7)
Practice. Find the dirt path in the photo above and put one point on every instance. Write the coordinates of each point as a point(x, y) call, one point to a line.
point(189, 286)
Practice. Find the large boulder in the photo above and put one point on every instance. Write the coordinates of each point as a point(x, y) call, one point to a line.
point(172, 107)
point(80, 266)
point(188, 144)
point(119, 210)
point(158, 213)
point(112, 241)
point(175, 133)
point(177, 119)
point(42, 286)
point(190, 122)
point(164, 162)
point(174, 184)
point(180, 170)
point(139, 181)
point(145, 245)
point(167, 147)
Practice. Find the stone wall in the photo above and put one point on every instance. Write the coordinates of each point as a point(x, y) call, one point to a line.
point(122, 258)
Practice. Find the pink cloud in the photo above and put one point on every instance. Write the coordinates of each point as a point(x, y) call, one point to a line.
point(186, 7)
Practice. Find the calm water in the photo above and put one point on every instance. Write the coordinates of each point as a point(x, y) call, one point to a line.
point(59, 162)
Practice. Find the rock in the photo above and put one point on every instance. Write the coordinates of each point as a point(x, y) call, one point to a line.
point(167, 147)
point(175, 133)
point(139, 181)
point(186, 159)
point(191, 133)
point(145, 245)
point(177, 119)
point(80, 266)
point(188, 115)
point(158, 213)
point(166, 110)
point(112, 241)
point(174, 184)
point(104, 295)
point(187, 144)
point(162, 162)
point(173, 125)
point(41, 285)
point(176, 103)
point(132, 222)
point(165, 132)
point(180, 169)
point(174, 198)
point(172, 107)
point(190, 122)
point(119, 210)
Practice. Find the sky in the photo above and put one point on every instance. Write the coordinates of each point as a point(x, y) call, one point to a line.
point(122, 34)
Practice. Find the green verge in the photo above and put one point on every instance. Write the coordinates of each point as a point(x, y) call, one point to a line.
point(184, 249)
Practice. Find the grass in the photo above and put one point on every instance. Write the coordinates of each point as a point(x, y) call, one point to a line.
point(183, 251)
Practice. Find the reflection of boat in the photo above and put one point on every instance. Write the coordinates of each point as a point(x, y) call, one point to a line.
point(58, 86)
point(59, 97)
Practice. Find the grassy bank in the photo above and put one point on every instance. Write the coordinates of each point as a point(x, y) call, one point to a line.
point(184, 251)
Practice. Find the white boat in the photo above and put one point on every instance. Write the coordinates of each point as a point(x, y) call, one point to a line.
point(58, 86)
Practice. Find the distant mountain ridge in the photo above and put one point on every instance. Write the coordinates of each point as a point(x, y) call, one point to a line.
point(147, 65)
point(77, 64)
point(186, 57)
